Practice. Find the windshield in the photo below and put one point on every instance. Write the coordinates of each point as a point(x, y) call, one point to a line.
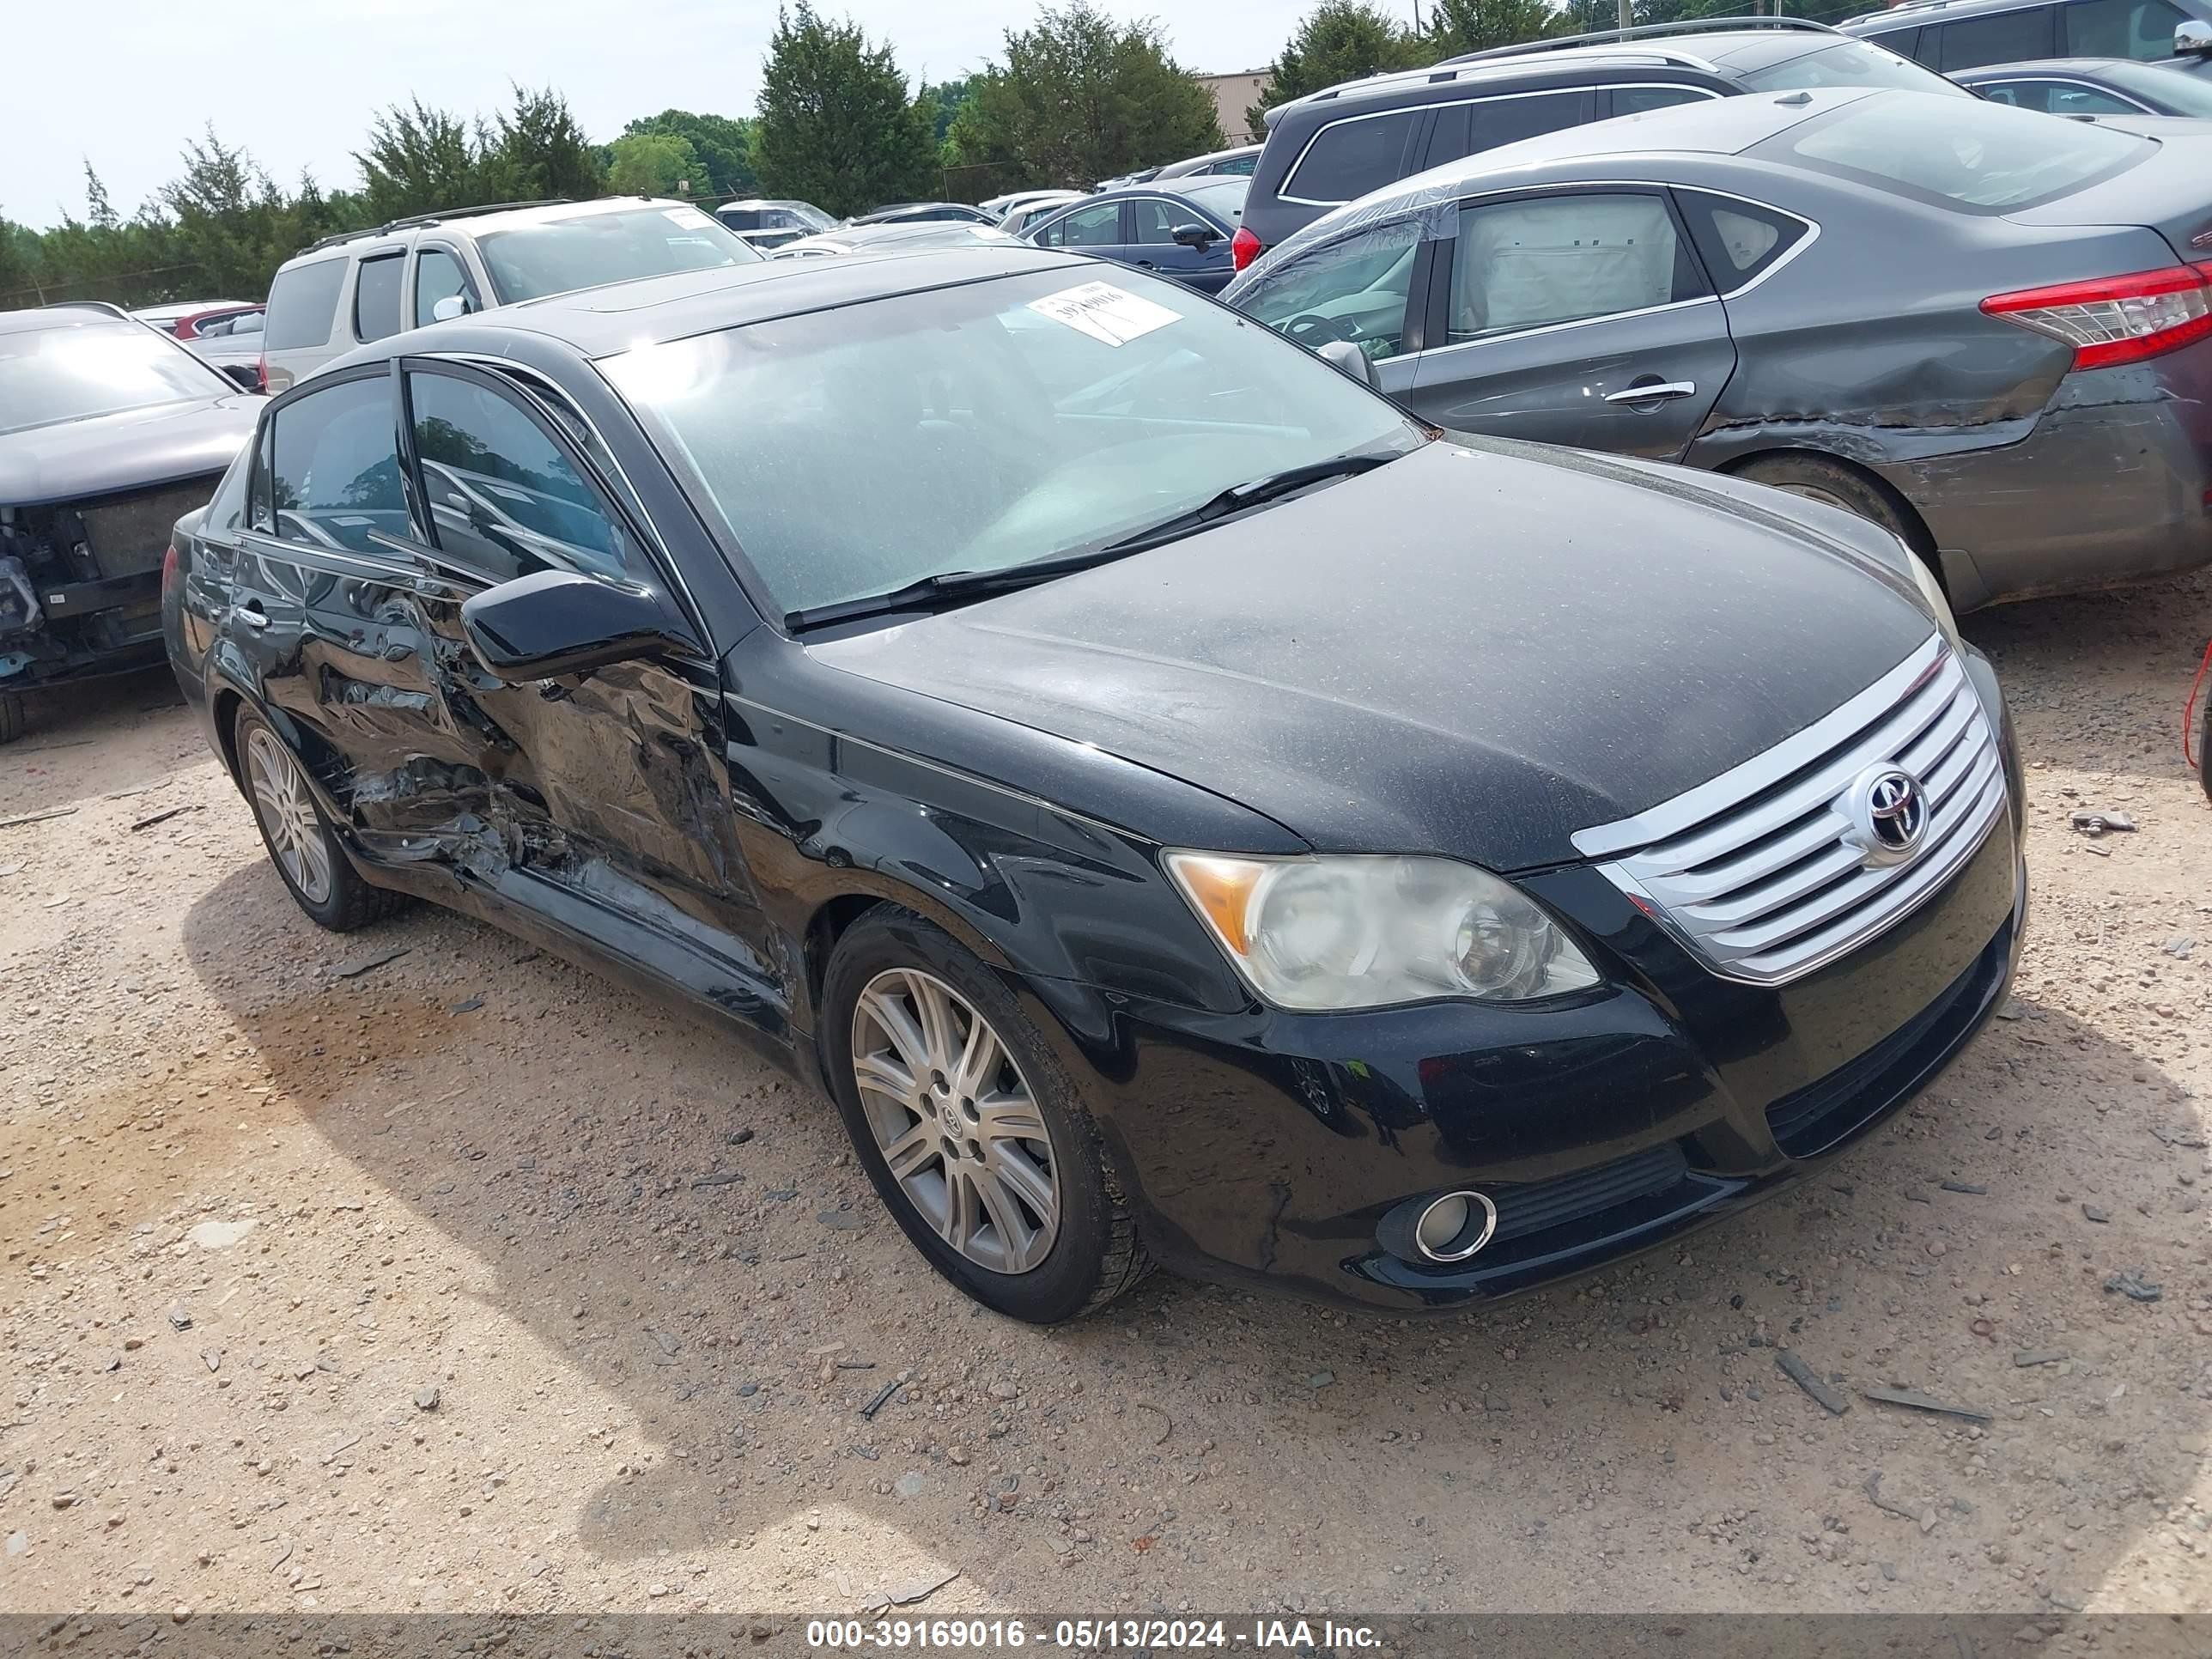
point(1851, 64)
point(1222, 198)
point(74, 372)
point(556, 256)
point(2178, 90)
point(855, 450)
point(1973, 155)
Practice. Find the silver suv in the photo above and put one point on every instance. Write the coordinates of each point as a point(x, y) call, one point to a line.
point(350, 289)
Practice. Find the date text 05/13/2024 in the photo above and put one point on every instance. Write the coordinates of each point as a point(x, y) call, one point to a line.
point(1084, 1635)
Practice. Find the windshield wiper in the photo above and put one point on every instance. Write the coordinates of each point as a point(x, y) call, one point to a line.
point(1253, 492)
point(955, 586)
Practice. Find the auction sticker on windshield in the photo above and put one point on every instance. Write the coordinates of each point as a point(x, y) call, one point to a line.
point(1105, 312)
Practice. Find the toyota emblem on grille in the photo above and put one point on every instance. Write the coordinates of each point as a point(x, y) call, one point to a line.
point(1888, 812)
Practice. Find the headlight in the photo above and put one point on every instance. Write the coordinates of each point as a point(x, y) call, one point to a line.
point(1357, 932)
point(1931, 594)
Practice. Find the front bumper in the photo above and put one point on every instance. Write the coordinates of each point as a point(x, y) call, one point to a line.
point(1281, 1150)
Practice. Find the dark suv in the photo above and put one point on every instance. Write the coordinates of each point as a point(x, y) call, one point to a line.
point(1336, 145)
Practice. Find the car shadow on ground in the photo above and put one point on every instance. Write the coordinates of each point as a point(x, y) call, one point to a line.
point(89, 739)
point(730, 1288)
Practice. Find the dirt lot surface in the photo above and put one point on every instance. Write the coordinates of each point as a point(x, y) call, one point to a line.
point(467, 1281)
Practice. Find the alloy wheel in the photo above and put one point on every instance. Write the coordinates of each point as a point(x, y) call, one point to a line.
point(955, 1121)
point(287, 812)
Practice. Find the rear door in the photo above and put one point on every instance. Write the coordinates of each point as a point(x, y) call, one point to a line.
point(2018, 36)
point(1485, 122)
point(339, 624)
point(1578, 316)
point(1093, 228)
point(607, 790)
point(2141, 29)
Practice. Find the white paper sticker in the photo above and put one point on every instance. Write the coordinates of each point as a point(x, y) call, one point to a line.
point(1105, 312)
point(685, 216)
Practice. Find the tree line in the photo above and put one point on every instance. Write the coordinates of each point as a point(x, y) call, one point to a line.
point(1075, 97)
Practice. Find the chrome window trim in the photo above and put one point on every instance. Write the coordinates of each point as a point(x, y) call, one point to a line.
point(1284, 194)
point(1812, 235)
point(1763, 771)
point(2133, 108)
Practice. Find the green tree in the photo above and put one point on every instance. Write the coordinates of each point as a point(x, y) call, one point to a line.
point(419, 159)
point(836, 125)
point(721, 145)
point(535, 150)
point(654, 164)
point(1338, 40)
point(1080, 97)
point(1460, 25)
point(945, 99)
point(231, 220)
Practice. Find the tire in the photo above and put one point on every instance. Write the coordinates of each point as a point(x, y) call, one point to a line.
point(306, 855)
point(15, 717)
point(973, 1202)
point(1831, 483)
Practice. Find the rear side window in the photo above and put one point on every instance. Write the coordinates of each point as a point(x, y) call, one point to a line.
point(376, 297)
point(1567, 258)
point(1349, 158)
point(1969, 154)
point(334, 467)
point(2004, 37)
point(504, 498)
point(1464, 129)
point(1739, 241)
point(1851, 64)
point(1635, 101)
point(302, 302)
point(1089, 227)
point(2141, 29)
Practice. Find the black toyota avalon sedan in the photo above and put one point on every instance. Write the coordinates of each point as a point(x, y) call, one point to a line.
point(1180, 808)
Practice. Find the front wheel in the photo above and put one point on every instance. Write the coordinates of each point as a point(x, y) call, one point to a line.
point(299, 838)
point(969, 1127)
point(15, 718)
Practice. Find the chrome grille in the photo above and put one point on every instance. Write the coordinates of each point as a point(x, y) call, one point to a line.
point(1763, 872)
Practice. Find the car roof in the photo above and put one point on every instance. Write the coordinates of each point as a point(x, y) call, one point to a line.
point(1441, 81)
point(2039, 66)
point(62, 315)
point(600, 322)
point(478, 221)
point(1190, 163)
point(1905, 15)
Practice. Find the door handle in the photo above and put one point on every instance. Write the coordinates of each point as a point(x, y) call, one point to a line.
point(252, 615)
point(1655, 392)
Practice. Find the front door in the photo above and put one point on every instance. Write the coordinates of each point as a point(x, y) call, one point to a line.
point(607, 790)
point(1154, 222)
point(1573, 317)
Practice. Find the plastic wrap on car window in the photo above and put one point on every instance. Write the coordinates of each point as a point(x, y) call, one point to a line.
point(1432, 209)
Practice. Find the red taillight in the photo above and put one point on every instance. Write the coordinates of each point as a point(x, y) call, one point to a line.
point(1243, 247)
point(169, 570)
point(2117, 319)
point(261, 368)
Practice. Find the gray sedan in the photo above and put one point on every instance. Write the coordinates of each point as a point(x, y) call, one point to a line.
point(1977, 326)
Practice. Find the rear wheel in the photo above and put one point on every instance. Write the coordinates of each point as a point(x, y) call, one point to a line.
point(299, 838)
point(1831, 483)
point(969, 1127)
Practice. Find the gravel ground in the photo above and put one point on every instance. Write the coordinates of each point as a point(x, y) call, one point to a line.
point(472, 1282)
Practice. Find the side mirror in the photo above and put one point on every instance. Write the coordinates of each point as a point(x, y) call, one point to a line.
point(2192, 39)
point(1352, 360)
point(453, 306)
point(247, 375)
point(1201, 237)
point(556, 622)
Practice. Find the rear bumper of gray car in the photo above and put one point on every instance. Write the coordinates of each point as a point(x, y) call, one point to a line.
point(2114, 484)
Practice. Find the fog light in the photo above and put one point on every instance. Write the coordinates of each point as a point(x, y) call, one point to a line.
point(1454, 1227)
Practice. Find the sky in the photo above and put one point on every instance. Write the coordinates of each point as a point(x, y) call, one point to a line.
point(124, 83)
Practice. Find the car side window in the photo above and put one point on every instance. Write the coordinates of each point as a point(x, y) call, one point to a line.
point(2070, 98)
point(1156, 220)
point(2002, 36)
point(1348, 158)
point(1353, 289)
point(1097, 226)
point(334, 468)
point(1739, 240)
point(504, 498)
point(302, 299)
point(1464, 129)
point(439, 275)
point(376, 297)
point(1540, 261)
point(2020, 94)
point(2141, 29)
point(1634, 101)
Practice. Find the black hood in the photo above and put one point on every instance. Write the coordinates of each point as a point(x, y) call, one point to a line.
point(130, 449)
point(1471, 651)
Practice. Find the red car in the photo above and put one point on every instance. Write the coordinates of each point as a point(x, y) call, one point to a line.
point(187, 319)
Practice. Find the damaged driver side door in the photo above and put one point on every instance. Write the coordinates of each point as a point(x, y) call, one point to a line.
point(606, 797)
